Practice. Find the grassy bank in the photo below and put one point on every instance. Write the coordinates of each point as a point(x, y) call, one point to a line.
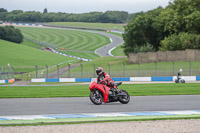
point(21, 55)
point(83, 90)
point(103, 26)
point(71, 42)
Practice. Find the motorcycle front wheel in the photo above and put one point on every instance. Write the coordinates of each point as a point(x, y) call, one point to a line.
point(96, 97)
point(125, 98)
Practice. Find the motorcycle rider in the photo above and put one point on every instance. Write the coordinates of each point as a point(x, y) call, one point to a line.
point(104, 78)
point(179, 76)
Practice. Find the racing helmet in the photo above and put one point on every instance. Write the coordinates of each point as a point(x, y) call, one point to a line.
point(99, 70)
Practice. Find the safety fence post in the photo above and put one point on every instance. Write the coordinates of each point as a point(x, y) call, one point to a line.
point(4, 72)
point(36, 71)
point(0, 73)
point(190, 68)
point(124, 70)
point(69, 70)
point(81, 70)
point(47, 72)
point(94, 71)
point(173, 67)
point(58, 71)
point(12, 72)
point(139, 69)
point(109, 69)
point(155, 68)
point(8, 74)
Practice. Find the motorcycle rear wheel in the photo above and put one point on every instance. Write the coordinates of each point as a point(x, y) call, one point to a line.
point(124, 99)
point(182, 81)
point(96, 97)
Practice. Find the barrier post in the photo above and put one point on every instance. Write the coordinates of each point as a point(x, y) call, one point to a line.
point(58, 71)
point(173, 67)
point(124, 70)
point(69, 70)
point(4, 71)
point(109, 69)
point(12, 72)
point(190, 67)
point(139, 69)
point(47, 73)
point(8, 71)
point(94, 71)
point(81, 70)
point(36, 71)
point(155, 68)
point(0, 72)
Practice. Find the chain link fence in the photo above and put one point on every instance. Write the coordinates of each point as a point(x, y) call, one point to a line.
point(89, 71)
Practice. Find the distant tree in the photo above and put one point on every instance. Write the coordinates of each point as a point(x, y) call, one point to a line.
point(16, 11)
point(114, 17)
point(3, 10)
point(45, 11)
point(181, 41)
point(143, 33)
point(3, 13)
point(182, 16)
point(177, 27)
point(9, 33)
point(33, 16)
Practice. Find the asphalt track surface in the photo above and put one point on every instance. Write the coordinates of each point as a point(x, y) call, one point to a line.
point(116, 41)
point(75, 105)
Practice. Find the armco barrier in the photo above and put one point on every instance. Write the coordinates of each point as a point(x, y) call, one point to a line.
point(161, 78)
point(135, 79)
point(83, 79)
point(197, 78)
point(132, 79)
point(7, 81)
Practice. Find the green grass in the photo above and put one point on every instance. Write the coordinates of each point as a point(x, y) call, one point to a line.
point(117, 66)
point(31, 44)
point(68, 39)
point(118, 51)
point(83, 90)
point(24, 58)
point(103, 26)
point(87, 55)
point(72, 40)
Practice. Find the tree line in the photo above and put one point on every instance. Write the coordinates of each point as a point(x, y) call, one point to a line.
point(11, 34)
point(34, 16)
point(176, 27)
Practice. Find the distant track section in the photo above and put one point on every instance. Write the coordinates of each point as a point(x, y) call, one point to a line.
point(82, 42)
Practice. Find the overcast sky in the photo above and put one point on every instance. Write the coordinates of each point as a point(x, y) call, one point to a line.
point(82, 6)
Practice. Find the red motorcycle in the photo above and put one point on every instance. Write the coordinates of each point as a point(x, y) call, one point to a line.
point(101, 92)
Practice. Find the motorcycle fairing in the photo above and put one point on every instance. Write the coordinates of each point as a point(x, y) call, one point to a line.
point(103, 88)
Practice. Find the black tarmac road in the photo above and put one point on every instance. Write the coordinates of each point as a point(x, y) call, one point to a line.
point(39, 106)
point(106, 50)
